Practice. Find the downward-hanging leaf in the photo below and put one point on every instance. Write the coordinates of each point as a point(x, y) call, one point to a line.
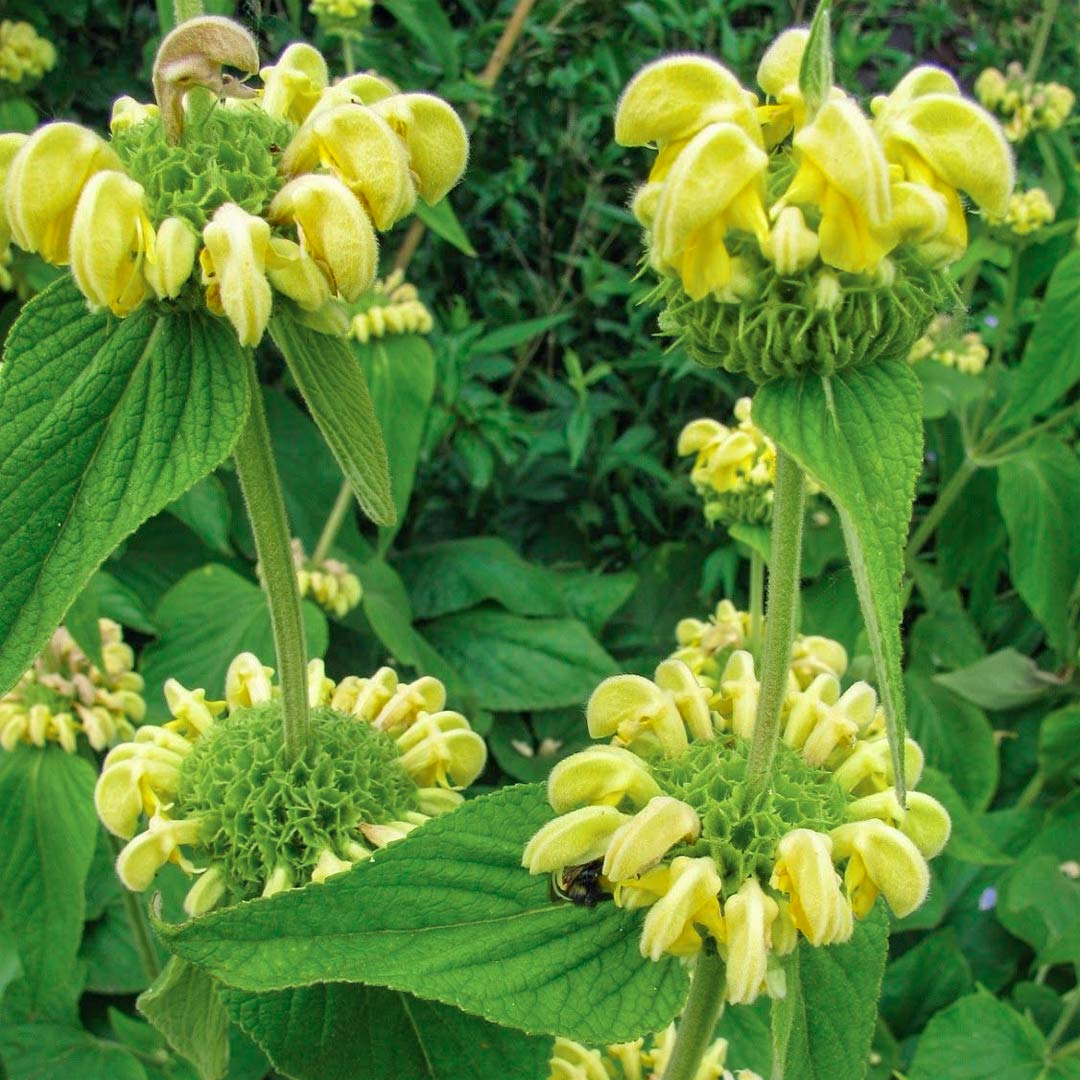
point(102, 423)
point(332, 381)
point(341, 1031)
point(449, 914)
point(859, 435)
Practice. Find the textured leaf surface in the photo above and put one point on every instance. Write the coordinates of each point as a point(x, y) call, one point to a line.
point(332, 381)
point(823, 1028)
point(513, 663)
point(1005, 679)
point(859, 435)
point(184, 1005)
point(1051, 363)
point(449, 914)
point(341, 1031)
point(49, 828)
point(208, 617)
point(49, 1051)
point(1039, 496)
point(104, 422)
point(980, 1037)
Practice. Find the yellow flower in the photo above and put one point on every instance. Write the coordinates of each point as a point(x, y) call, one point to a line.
point(869, 768)
point(572, 839)
point(804, 870)
point(23, 54)
point(361, 149)
point(923, 819)
point(792, 245)
point(10, 144)
point(813, 655)
point(333, 230)
point(739, 692)
point(292, 86)
point(297, 276)
point(843, 172)
point(127, 113)
point(748, 919)
point(778, 76)
point(947, 144)
point(1027, 212)
point(207, 892)
point(883, 860)
point(440, 749)
point(237, 245)
point(723, 456)
point(691, 900)
point(600, 776)
point(143, 857)
point(640, 843)
point(44, 183)
point(633, 708)
point(111, 236)
point(172, 259)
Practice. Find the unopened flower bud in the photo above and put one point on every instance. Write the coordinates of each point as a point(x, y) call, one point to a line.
point(173, 258)
point(646, 838)
point(234, 269)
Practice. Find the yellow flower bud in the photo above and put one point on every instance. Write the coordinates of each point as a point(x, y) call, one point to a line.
point(361, 149)
point(292, 86)
point(748, 919)
point(600, 776)
point(828, 292)
point(812, 655)
point(333, 228)
point(436, 801)
point(691, 699)
point(118, 798)
point(191, 708)
point(300, 279)
point(648, 836)
point(206, 893)
point(127, 113)
point(809, 709)
point(279, 880)
point(804, 871)
point(441, 749)
point(691, 900)
point(327, 865)
point(572, 1061)
point(44, 183)
point(434, 136)
point(144, 856)
point(881, 859)
point(173, 260)
point(234, 270)
point(740, 689)
point(406, 702)
point(10, 144)
point(853, 713)
point(572, 839)
point(869, 768)
point(924, 820)
point(778, 76)
point(990, 87)
point(111, 235)
point(629, 706)
point(791, 245)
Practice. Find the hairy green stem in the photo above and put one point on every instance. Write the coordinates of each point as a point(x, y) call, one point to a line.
point(757, 602)
point(140, 926)
point(1031, 793)
point(266, 512)
point(187, 9)
point(703, 1007)
point(1068, 1013)
point(1042, 37)
point(946, 497)
point(334, 520)
point(785, 563)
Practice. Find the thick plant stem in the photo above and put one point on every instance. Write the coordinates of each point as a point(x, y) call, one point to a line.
point(140, 927)
point(785, 563)
point(757, 602)
point(703, 1007)
point(187, 9)
point(946, 497)
point(266, 512)
point(335, 519)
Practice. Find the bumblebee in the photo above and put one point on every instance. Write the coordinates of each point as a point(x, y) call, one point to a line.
point(581, 885)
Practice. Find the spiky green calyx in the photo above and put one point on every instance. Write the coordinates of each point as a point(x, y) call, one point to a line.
point(742, 825)
point(259, 810)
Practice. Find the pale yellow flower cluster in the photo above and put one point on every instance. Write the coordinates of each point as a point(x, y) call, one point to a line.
point(330, 583)
point(355, 157)
point(1024, 105)
point(65, 694)
point(396, 309)
point(141, 793)
point(860, 188)
point(966, 352)
point(636, 1060)
point(1027, 212)
point(340, 9)
point(734, 467)
point(660, 812)
point(705, 646)
point(23, 53)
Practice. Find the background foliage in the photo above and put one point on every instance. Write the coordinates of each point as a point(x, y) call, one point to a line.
point(549, 537)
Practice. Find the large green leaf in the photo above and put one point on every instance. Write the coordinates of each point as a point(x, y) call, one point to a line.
point(104, 422)
point(400, 372)
point(342, 1031)
point(926, 979)
point(1005, 679)
point(823, 1027)
point(49, 828)
point(48, 1051)
point(979, 1037)
point(205, 620)
point(449, 914)
point(1039, 496)
point(330, 377)
point(185, 1006)
point(859, 435)
point(513, 663)
point(453, 575)
point(1051, 363)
